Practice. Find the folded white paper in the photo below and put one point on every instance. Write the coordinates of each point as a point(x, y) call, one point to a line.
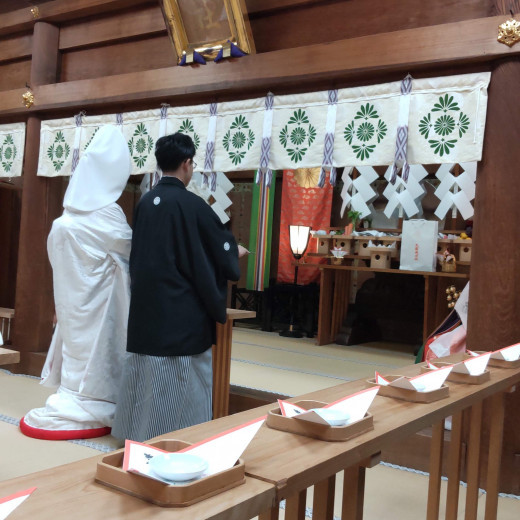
point(10, 503)
point(511, 353)
point(473, 366)
point(221, 451)
point(354, 406)
point(422, 383)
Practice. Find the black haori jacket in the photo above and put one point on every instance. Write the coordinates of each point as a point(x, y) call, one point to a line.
point(182, 258)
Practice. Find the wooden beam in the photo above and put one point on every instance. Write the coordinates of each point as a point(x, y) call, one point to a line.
point(60, 11)
point(261, 6)
point(408, 50)
point(16, 47)
point(144, 21)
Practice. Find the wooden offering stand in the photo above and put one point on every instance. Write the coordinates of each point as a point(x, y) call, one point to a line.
point(410, 395)
point(457, 377)
point(277, 421)
point(110, 473)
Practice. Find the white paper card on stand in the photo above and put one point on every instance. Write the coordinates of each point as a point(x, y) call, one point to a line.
point(220, 452)
point(473, 366)
point(511, 353)
point(10, 503)
point(356, 404)
point(288, 409)
point(1, 340)
point(380, 380)
point(223, 450)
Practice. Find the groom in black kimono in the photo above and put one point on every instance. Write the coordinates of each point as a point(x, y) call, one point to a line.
point(181, 260)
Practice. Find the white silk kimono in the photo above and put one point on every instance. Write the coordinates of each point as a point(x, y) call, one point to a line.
point(89, 248)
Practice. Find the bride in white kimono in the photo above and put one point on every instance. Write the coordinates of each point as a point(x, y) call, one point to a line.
point(89, 247)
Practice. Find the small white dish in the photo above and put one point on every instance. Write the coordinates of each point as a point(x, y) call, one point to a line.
point(333, 417)
point(178, 467)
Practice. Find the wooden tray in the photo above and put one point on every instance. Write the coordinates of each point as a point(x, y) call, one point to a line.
point(456, 377)
point(323, 432)
point(500, 363)
point(410, 395)
point(110, 473)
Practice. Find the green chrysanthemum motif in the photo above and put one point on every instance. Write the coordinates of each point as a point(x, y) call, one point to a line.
point(360, 135)
point(59, 151)
point(238, 136)
point(436, 131)
point(365, 132)
point(367, 112)
point(296, 154)
point(239, 140)
point(312, 134)
point(140, 145)
point(236, 157)
point(299, 118)
point(444, 125)
point(381, 130)
point(250, 139)
point(239, 123)
point(463, 124)
point(445, 104)
point(425, 125)
point(188, 129)
point(226, 140)
point(363, 151)
point(441, 146)
point(298, 135)
point(8, 153)
point(284, 136)
point(349, 133)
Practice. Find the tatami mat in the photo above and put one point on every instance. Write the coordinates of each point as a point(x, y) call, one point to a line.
point(265, 361)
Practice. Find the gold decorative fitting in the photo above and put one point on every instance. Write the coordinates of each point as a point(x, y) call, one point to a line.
point(35, 12)
point(509, 32)
point(28, 99)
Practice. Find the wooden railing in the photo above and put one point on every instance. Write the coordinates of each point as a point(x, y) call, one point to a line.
point(281, 466)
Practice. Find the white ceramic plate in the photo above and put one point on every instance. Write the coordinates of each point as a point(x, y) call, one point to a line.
point(178, 467)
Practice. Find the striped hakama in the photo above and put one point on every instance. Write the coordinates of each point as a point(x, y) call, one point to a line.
point(160, 394)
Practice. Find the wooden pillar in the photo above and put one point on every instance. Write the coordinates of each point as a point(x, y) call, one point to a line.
point(41, 204)
point(494, 298)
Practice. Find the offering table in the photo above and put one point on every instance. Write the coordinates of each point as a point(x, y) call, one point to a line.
point(282, 465)
point(334, 296)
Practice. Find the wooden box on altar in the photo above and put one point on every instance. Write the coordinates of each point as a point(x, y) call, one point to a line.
point(277, 421)
point(380, 257)
point(323, 244)
point(456, 377)
point(110, 473)
point(410, 395)
point(345, 244)
point(463, 249)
